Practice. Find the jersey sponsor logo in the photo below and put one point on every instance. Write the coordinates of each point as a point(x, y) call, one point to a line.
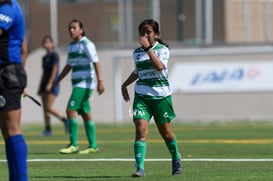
point(138, 112)
point(148, 74)
point(5, 18)
point(142, 56)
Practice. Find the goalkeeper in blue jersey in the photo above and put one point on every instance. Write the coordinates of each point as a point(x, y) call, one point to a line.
point(152, 95)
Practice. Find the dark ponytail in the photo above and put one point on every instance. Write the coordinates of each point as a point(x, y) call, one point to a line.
point(163, 42)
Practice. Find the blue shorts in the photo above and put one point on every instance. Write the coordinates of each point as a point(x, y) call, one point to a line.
point(42, 88)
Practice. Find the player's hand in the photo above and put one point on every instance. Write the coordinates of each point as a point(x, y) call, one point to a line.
point(100, 87)
point(24, 94)
point(54, 85)
point(49, 87)
point(125, 94)
point(144, 42)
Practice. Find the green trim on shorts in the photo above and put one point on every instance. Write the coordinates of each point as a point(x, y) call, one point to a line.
point(162, 110)
point(80, 100)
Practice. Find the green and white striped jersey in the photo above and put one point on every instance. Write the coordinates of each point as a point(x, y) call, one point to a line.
point(152, 84)
point(81, 56)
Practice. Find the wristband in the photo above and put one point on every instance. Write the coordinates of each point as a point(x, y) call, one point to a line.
point(148, 48)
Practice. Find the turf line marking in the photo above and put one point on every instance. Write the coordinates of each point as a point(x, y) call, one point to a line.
point(153, 160)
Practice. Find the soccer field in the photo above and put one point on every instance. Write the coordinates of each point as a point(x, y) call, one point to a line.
point(210, 152)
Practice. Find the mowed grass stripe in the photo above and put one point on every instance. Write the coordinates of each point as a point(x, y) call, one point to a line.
point(129, 129)
point(151, 160)
point(201, 141)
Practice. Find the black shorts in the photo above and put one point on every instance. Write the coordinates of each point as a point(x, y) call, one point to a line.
point(13, 81)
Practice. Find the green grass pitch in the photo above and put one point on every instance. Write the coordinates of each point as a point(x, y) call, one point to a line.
point(210, 152)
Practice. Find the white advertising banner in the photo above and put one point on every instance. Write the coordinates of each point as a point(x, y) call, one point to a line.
point(212, 77)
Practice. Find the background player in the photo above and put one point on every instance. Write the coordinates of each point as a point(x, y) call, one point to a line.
point(86, 76)
point(50, 66)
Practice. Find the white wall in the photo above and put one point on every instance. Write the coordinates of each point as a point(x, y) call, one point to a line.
point(199, 107)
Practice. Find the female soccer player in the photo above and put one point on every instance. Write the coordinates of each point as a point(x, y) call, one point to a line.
point(50, 65)
point(86, 76)
point(152, 95)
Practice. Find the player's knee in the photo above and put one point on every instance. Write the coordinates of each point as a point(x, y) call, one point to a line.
point(141, 134)
point(71, 113)
point(48, 110)
point(168, 136)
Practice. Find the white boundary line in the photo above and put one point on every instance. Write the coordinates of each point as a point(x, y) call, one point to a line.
point(154, 160)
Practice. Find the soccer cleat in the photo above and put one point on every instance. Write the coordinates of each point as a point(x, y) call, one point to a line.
point(70, 149)
point(46, 133)
point(89, 150)
point(176, 167)
point(139, 173)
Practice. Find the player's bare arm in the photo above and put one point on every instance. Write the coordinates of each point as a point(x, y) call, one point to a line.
point(132, 77)
point(52, 76)
point(64, 72)
point(100, 87)
point(24, 52)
